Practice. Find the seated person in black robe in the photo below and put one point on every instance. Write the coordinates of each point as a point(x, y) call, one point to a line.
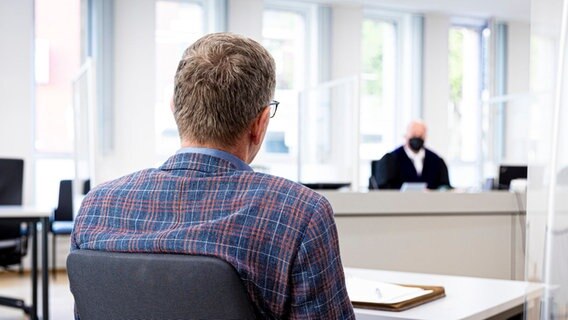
point(411, 162)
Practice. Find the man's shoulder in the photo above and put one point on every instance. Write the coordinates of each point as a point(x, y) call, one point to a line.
point(291, 192)
point(398, 151)
point(270, 182)
point(125, 182)
point(431, 154)
point(257, 183)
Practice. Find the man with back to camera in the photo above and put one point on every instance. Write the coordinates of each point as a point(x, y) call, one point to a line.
point(411, 162)
point(206, 200)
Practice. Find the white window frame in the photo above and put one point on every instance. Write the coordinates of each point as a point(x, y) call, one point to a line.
point(479, 164)
point(313, 65)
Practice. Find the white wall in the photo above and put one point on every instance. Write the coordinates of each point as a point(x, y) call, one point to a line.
point(518, 57)
point(346, 41)
point(501, 9)
point(134, 91)
point(16, 85)
point(518, 111)
point(436, 83)
point(245, 17)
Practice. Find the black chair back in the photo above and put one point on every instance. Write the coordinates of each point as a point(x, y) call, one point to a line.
point(86, 186)
point(382, 173)
point(11, 189)
point(11, 181)
point(13, 245)
point(64, 211)
point(111, 285)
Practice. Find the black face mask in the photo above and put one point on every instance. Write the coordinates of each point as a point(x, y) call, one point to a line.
point(416, 144)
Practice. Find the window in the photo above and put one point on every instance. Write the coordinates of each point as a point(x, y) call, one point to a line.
point(391, 84)
point(467, 70)
point(57, 60)
point(286, 33)
point(378, 91)
point(178, 24)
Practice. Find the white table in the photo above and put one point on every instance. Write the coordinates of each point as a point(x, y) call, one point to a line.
point(32, 216)
point(466, 297)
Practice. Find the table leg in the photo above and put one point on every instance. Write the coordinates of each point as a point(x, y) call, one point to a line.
point(44, 269)
point(33, 233)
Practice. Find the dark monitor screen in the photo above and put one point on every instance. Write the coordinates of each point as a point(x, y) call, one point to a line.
point(508, 173)
point(327, 185)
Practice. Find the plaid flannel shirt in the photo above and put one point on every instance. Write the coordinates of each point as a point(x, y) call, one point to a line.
point(280, 236)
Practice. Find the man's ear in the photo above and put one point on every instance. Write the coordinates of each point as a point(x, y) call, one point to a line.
point(259, 126)
point(172, 106)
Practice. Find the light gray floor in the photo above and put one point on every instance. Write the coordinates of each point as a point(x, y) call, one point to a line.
point(60, 299)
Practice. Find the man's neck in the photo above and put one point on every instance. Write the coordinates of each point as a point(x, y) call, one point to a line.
point(237, 150)
point(414, 154)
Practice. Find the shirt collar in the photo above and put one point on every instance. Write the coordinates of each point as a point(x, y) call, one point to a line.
point(415, 156)
point(238, 163)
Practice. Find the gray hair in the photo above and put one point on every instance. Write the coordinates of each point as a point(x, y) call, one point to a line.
point(222, 83)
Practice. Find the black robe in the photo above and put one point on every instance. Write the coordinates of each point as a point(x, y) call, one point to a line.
point(396, 168)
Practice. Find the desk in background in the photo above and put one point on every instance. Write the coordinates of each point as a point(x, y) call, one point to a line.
point(32, 216)
point(468, 234)
point(466, 297)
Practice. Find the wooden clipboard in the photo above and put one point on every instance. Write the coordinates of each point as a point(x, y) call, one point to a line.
point(437, 293)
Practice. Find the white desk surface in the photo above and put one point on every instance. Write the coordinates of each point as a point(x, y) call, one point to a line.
point(466, 297)
point(24, 212)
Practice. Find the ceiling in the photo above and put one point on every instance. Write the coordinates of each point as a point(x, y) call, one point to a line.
point(500, 9)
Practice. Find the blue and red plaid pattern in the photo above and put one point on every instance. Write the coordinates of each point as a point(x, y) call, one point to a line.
point(280, 236)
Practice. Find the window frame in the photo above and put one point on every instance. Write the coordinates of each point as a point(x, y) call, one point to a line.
point(313, 66)
point(85, 21)
point(477, 25)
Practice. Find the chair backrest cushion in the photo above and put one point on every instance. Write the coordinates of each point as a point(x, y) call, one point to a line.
point(11, 187)
point(111, 285)
point(64, 211)
point(11, 181)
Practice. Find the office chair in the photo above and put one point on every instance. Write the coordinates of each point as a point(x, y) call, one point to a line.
point(13, 239)
point(62, 219)
point(13, 242)
point(373, 183)
point(383, 173)
point(112, 285)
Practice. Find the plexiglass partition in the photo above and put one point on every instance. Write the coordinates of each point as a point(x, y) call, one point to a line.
point(85, 138)
point(328, 139)
point(547, 204)
point(505, 133)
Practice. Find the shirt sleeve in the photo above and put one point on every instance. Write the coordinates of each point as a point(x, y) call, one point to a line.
point(74, 244)
point(80, 224)
point(318, 281)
